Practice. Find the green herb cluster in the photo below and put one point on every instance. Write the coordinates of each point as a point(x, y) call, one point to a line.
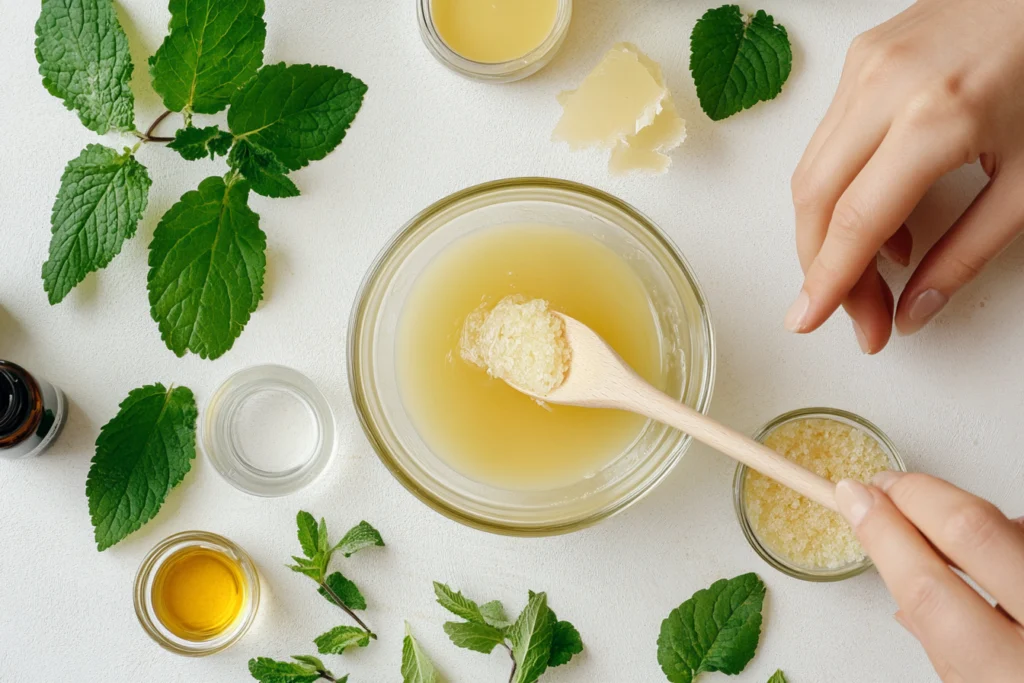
point(207, 258)
point(535, 641)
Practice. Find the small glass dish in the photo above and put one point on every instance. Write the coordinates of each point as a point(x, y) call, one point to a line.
point(268, 430)
point(499, 72)
point(739, 493)
point(147, 574)
point(685, 335)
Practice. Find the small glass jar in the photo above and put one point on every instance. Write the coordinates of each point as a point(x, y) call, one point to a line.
point(32, 413)
point(500, 72)
point(739, 493)
point(149, 570)
point(268, 430)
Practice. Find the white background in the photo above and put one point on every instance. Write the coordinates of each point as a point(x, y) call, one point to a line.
point(949, 397)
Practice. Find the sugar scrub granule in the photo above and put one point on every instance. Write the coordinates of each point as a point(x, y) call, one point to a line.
point(795, 528)
point(520, 342)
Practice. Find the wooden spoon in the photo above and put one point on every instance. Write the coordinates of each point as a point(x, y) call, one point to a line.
point(599, 378)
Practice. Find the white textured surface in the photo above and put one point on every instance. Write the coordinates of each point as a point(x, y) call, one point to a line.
point(949, 397)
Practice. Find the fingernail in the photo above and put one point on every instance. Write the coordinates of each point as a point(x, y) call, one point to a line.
point(854, 500)
point(798, 312)
point(926, 305)
point(885, 480)
point(861, 338)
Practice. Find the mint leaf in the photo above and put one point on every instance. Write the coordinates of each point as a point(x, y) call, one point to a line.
point(311, 660)
point(206, 266)
point(84, 60)
point(212, 49)
point(416, 665)
point(565, 642)
point(531, 638)
point(347, 591)
point(323, 545)
point(737, 63)
point(778, 677)
point(306, 567)
point(493, 613)
point(196, 143)
point(309, 538)
point(141, 454)
point(472, 636)
point(268, 670)
point(298, 112)
point(715, 630)
point(362, 535)
point(261, 167)
point(458, 604)
point(102, 197)
point(335, 641)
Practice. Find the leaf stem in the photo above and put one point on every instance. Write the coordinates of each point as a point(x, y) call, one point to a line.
point(338, 601)
point(512, 674)
point(327, 676)
point(148, 135)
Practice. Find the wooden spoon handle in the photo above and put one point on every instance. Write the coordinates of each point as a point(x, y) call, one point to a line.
point(663, 408)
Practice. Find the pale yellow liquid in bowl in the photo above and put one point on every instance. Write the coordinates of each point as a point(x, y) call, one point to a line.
point(493, 31)
point(479, 425)
point(198, 593)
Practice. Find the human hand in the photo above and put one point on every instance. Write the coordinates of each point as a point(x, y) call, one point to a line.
point(934, 88)
point(913, 526)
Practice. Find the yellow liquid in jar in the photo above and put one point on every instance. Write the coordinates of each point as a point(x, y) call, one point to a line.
point(198, 593)
point(493, 31)
point(480, 426)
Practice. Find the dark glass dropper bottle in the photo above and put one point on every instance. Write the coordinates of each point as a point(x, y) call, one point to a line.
point(32, 412)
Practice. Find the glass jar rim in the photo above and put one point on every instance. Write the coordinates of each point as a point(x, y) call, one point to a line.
point(367, 307)
point(494, 72)
point(739, 492)
point(165, 549)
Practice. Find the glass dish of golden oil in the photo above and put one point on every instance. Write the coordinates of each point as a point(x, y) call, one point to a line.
point(196, 593)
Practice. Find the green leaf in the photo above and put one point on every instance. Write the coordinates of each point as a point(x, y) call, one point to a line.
point(362, 535)
point(84, 60)
point(335, 641)
point(323, 546)
point(308, 535)
point(298, 112)
point(311, 660)
point(141, 455)
point(197, 143)
point(778, 677)
point(531, 638)
point(737, 62)
point(304, 567)
point(715, 630)
point(102, 196)
point(212, 49)
point(416, 665)
point(268, 670)
point(565, 642)
point(263, 170)
point(493, 613)
point(206, 266)
point(458, 604)
point(472, 636)
point(346, 590)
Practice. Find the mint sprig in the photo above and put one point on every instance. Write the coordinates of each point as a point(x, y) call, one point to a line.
point(535, 642)
point(281, 117)
point(141, 454)
point(738, 61)
point(305, 669)
point(717, 629)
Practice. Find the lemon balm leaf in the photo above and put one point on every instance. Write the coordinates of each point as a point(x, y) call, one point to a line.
point(206, 267)
point(84, 60)
point(266, 174)
point(778, 677)
point(102, 196)
point(531, 638)
point(361, 536)
point(458, 604)
point(141, 454)
point(717, 629)
point(197, 143)
point(298, 112)
point(565, 642)
point(346, 590)
point(212, 48)
point(340, 638)
point(738, 61)
point(493, 613)
point(416, 665)
point(472, 636)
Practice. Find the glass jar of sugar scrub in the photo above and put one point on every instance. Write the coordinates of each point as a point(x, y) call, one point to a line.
point(792, 534)
point(268, 430)
point(196, 593)
point(494, 40)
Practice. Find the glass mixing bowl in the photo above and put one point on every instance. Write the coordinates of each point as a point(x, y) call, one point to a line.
point(687, 350)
